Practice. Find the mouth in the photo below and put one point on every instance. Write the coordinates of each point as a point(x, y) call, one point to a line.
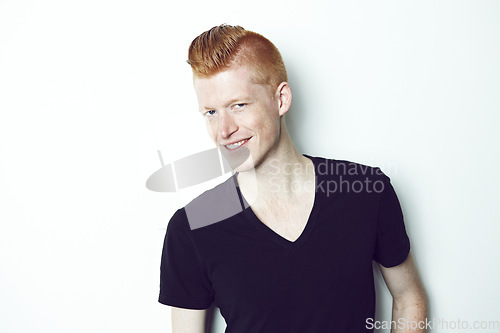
point(236, 145)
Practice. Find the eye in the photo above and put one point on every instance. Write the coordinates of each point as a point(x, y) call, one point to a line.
point(210, 113)
point(239, 106)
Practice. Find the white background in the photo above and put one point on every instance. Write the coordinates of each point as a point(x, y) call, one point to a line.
point(90, 90)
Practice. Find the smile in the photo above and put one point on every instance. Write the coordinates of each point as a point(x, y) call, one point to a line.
point(236, 145)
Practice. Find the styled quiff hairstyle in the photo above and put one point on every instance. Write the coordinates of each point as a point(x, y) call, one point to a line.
point(225, 45)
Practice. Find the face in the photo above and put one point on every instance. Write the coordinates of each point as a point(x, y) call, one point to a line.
point(242, 117)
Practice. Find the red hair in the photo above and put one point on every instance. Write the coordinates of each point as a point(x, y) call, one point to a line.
point(222, 46)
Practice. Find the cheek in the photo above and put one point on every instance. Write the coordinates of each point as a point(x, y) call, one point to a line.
point(211, 129)
point(271, 128)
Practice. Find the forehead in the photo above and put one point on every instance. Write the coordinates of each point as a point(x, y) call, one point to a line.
point(235, 83)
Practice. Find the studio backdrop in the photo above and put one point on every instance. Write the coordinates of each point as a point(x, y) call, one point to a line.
point(96, 96)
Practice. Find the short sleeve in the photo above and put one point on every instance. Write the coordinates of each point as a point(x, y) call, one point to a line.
point(392, 243)
point(183, 282)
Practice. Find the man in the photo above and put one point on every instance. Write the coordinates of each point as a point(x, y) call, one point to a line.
point(297, 255)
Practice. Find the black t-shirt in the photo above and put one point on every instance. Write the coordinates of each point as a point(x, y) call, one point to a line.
point(262, 282)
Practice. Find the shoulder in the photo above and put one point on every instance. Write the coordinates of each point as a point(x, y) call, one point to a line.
point(331, 168)
point(349, 180)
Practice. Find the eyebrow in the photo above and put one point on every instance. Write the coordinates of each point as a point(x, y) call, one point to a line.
point(232, 101)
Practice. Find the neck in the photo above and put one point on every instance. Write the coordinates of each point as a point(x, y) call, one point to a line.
point(285, 174)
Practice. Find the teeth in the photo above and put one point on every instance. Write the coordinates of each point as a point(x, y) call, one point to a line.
point(237, 144)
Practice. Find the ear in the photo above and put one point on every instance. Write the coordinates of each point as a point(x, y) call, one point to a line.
point(284, 97)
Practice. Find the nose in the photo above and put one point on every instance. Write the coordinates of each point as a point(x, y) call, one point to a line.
point(227, 125)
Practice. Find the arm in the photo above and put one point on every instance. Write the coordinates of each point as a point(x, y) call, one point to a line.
point(409, 298)
point(188, 320)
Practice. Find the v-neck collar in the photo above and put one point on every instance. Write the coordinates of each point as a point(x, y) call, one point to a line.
point(271, 234)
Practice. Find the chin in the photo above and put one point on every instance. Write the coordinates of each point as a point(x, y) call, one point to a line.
point(240, 160)
point(245, 167)
point(242, 166)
